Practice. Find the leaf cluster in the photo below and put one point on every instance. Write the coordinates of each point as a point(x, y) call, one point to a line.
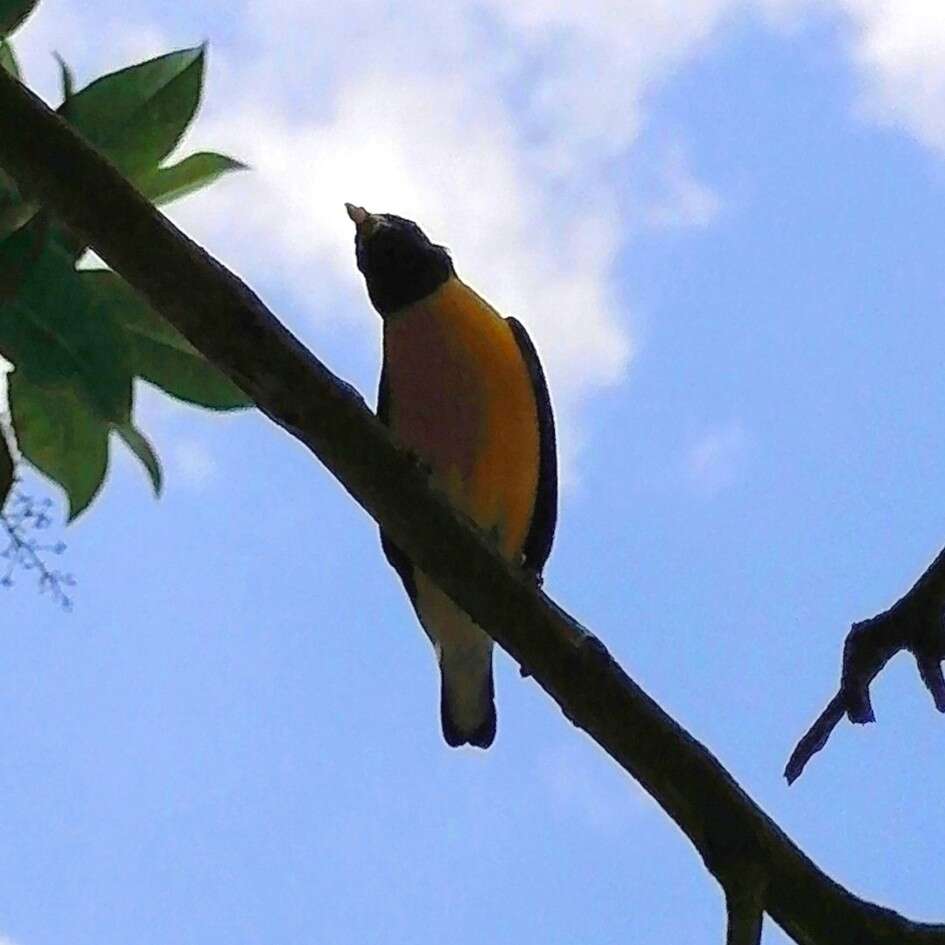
point(78, 338)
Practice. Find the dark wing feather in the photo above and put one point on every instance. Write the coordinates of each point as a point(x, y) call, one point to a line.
point(541, 532)
point(398, 560)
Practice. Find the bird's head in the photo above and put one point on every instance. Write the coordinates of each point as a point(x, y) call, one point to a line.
point(399, 263)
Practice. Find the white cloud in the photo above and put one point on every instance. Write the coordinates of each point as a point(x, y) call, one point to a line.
point(899, 48)
point(495, 124)
point(433, 137)
point(715, 459)
point(685, 201)
point(499, 138)
point(594, 62)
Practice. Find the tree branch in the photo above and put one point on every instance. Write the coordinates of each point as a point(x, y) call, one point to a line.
point(229, 324)
point(914, 623)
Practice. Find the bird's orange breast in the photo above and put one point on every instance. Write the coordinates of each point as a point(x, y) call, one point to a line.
point(460, 396)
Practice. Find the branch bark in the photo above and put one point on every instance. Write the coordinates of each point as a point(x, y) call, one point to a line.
point(914, 623)
point(222, 317)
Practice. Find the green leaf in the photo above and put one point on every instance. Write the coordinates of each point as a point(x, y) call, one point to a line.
point(137, 116)
point(13, 13)
point(159, 353)
point(68, 84)
point(14, 212)
point(186, 376)
point(8, 60)
point(138, 443)
point(6, 470)
point(58, 334)
point(199, 170)
point(62, 437)
point(18, 255)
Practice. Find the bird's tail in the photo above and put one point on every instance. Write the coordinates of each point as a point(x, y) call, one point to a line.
point(467, 700)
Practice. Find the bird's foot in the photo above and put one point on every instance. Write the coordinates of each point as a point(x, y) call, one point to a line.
point(535, 577)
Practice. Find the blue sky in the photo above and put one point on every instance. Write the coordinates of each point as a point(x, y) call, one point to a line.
point(720, 220)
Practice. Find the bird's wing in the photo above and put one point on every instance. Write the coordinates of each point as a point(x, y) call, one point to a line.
point(397, 559)
point(541, 532)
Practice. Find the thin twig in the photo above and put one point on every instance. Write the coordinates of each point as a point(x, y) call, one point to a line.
point(745, 919)
point(913, 623)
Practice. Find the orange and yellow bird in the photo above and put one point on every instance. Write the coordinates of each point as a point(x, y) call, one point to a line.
point(462, 388)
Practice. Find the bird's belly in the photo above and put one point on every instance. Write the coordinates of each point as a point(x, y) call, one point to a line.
point(460, 397)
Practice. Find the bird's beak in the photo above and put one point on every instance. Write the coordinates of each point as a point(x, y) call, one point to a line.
point(365, 222)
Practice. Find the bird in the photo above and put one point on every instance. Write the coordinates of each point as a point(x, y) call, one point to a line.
point(463, 390)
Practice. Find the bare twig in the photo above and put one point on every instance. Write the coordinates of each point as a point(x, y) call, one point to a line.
point(739, 866)
point(913, 623)
point(231, 327)
point(745, 915)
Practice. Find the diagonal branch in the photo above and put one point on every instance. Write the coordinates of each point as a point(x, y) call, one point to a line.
point(230, 325)
point(914, 623)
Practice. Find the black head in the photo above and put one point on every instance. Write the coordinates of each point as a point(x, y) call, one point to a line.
point(399, 263)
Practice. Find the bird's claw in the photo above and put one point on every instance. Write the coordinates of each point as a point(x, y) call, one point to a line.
point(531, 574)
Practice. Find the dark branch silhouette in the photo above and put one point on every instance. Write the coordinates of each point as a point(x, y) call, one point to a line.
point(913, 623)
point(223, 318)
